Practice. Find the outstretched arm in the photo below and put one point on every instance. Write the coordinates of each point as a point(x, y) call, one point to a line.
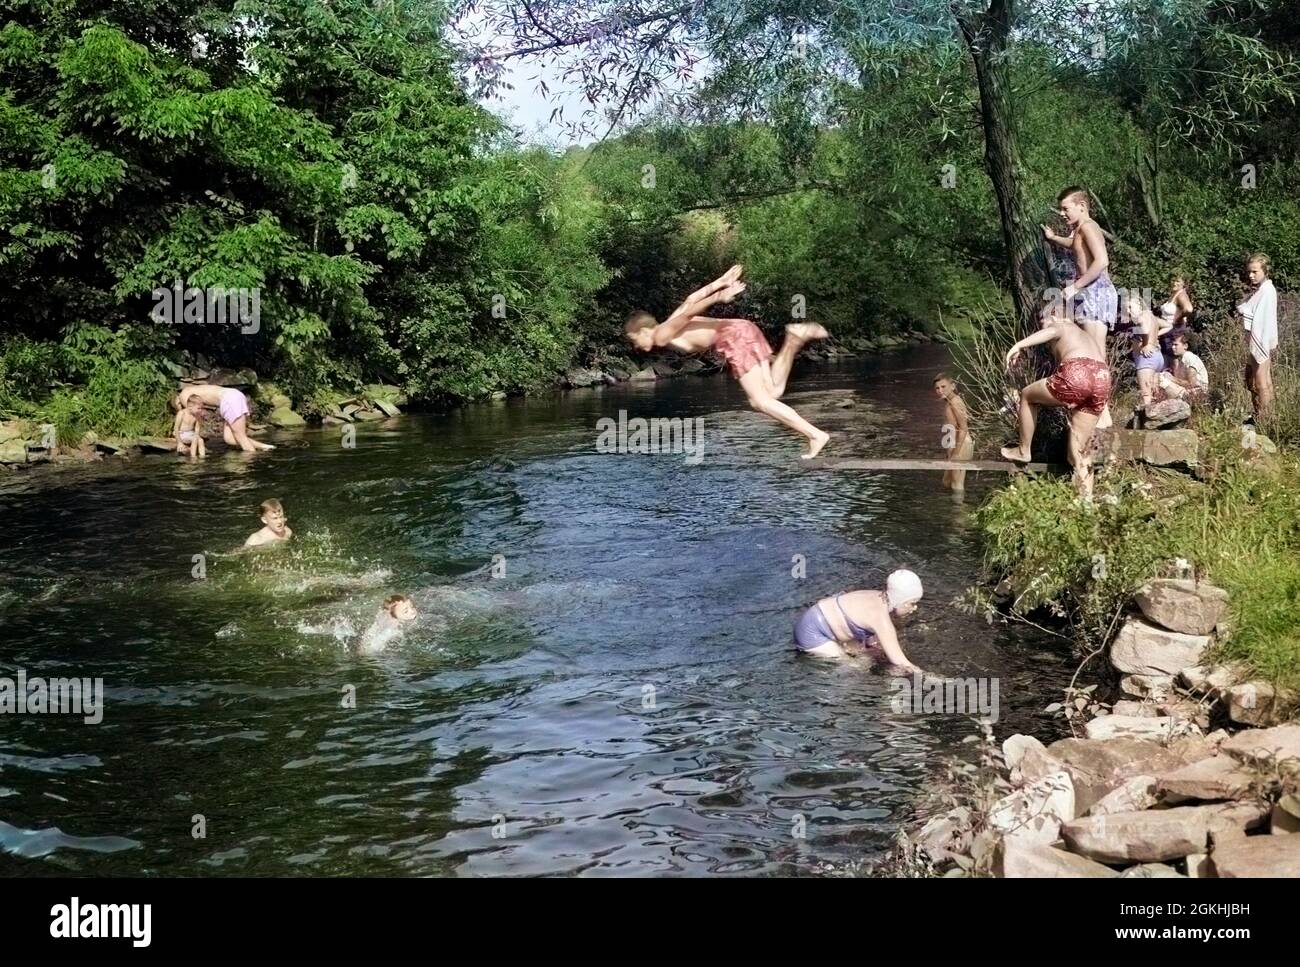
point(888, 638)
point(1064, 241)
point(1044, 335)
point(722, 289)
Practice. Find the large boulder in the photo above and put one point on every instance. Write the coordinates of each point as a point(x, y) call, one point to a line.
point(1166, 413)
point(387, 408)
point(16, 430)
point(1216, 778)
point(1035, 813)
point(1276, 744)
point(1258, 856)
point(644, 376)
point(1142, 648)
point(1157, 835)
point(1180, 605)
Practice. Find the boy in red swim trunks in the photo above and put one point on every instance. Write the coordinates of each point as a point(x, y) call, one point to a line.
point(1081, 384)
point(761, 374)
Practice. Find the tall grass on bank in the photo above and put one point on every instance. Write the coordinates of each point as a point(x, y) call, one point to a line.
point(1238, 526)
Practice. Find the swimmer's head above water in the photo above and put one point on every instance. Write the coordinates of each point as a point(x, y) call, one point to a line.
point(902, 592)
point(400, 607)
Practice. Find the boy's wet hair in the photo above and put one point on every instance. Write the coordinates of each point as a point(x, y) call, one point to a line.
point(395, 599)
point(1075, 193)
point(941, 377)
point(1264, 261)
point(270, 506)
point(639, 320)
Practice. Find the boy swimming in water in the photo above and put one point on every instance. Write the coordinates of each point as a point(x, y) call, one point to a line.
point(275, 526)
point(957, 441)
point(1080, 383)
point(1091, 299)
point(186, 427)
point(398, 611)
point(861, 619)
point(741, 343)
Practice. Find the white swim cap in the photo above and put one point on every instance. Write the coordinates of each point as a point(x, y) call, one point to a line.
point(903, 587)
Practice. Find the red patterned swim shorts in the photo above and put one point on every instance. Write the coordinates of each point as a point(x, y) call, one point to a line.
point(743, 345)
point(1082, 384)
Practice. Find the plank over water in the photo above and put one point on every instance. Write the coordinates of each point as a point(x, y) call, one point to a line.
point(890, 463)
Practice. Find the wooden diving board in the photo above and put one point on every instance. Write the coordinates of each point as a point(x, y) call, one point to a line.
point(889, 463)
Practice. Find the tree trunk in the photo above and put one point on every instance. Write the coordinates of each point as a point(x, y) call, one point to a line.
point(987, 37)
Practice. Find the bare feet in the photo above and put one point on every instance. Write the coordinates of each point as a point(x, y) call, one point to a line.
point(815, 444)
point(1015, 454)
point(805, 331)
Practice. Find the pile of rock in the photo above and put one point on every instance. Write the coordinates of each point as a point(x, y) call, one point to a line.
point(1146, 792)
point(378, 402)
point(1140, 808)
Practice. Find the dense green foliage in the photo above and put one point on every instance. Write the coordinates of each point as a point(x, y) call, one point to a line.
point(1238, 526)
point(325, 153)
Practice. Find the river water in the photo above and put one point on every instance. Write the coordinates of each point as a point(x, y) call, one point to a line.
point(601, 681)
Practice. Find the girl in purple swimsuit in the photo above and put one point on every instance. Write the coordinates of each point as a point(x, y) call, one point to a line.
point(864, 618)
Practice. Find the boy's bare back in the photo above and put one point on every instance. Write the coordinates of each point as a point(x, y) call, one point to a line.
point(1072, 342)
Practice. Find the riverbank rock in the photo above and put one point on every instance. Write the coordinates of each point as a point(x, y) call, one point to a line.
point(644, 376)
point(1157, 835)
point(1155, 727)
point(1257, 703)
point(692, 364)
point(273, 396)
point(387, 408)
point(1159, 448)
point(1035, 813)
point(232, 377)
point(1156, 688)
point(1286, 815)
point(1166, 413)
point(1209, 680)
point(1214, 779)
point(13, 451)
point(581, 378)
point(663, 368)
point(1142, 648)
point(1131, 796)
point(1097, 768)
point(1258, 856)
point(1190, 607)
point(1013, 860)
point(284, 417)
point(1277, 744)
point(1151, 871)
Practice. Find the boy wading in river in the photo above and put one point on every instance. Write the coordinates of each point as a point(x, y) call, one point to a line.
point(742, 344)
point(1081, 384)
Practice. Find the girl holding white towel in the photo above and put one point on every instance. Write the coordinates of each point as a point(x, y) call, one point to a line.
point(1259, 320)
